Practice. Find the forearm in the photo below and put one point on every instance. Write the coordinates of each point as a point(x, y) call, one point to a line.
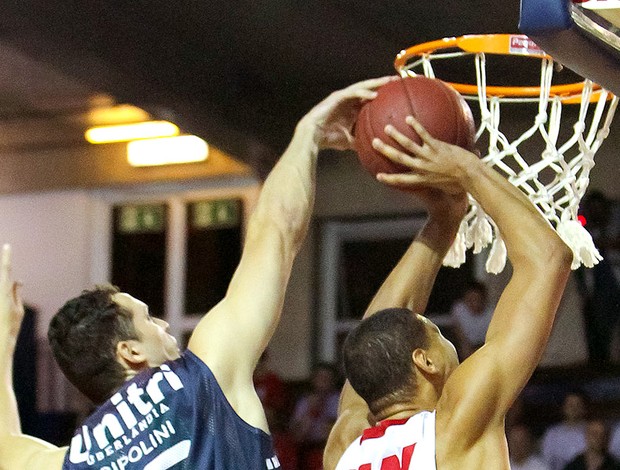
point(528, 235)
point(539, 258)
point(9, 415)
point(287, 196)
point(529, 238)
point(410, 283)
point(21, 452)
point(274, 235)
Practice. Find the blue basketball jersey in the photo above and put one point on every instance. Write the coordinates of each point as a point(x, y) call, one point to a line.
point(171, 417)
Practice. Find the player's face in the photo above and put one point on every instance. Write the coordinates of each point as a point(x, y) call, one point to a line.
point(448, 358)
point(155, 343)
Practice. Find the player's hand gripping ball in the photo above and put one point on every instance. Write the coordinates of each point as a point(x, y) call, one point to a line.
point(437, 106)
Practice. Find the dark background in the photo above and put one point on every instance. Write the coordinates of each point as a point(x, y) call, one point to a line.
point(238, 73)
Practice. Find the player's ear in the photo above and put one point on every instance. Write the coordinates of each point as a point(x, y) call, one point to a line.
point(423, 361)
point(129, 353)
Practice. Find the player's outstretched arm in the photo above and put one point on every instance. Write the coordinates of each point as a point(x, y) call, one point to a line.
point(409, 286)
point(17, 451)
point(231, 338)
point(481, 390)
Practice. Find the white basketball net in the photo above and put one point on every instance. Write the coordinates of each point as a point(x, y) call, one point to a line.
point(569, 164)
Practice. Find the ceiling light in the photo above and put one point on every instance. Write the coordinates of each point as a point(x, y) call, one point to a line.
point(165, 151)
point(110, 114)
point(127, 132)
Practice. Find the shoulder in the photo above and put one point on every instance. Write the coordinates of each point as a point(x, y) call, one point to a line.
point(189, 365)
point(51, 459)
point(179, 383)
point(341, 444)
point(348, 458)
point(458, 448)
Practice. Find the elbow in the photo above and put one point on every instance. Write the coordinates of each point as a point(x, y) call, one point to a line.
point(554, 261)
point(559, 255)
point(546, 255)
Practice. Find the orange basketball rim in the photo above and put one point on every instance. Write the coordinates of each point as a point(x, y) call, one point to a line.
point(500, 44)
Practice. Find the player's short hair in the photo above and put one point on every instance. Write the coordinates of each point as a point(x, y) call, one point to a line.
point(378, 356)
point(84, 334)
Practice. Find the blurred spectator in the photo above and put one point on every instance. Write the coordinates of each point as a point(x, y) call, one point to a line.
point(523, 449)
point(271, 390)
point(562, 442)
point(614, 442)
point(274, 396)
point(595, 456)
point(314, 415)
point(598, 286)
point(471, 315)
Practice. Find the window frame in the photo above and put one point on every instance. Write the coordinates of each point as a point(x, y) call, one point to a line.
point(177, 197)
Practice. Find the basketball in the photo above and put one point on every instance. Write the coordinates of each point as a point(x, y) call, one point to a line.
point(438, 107)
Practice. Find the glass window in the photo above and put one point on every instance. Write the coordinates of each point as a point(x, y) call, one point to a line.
point(213, 251)
point(139, 252)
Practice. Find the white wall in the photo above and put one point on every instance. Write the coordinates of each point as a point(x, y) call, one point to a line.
point(50, 235)
point(51, 238)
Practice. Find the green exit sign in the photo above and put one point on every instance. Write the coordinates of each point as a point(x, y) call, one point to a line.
point(147, 218)
point(219, 213)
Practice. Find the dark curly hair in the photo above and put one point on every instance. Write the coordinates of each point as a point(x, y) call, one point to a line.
point(378, 356)
point(84, 334)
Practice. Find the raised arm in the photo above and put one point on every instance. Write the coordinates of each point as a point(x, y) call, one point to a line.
point(479, 393)
point(17, 451)
point(409, 286)
point(231, 338)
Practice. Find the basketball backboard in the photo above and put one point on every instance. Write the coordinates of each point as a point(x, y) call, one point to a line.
point(583, 36)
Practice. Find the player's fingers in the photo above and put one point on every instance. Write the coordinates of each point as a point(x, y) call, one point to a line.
point(403, 140)
point(393, 154)
point(421, 131)
point(367, 89)
point(351, 93)
point(364, 94)
point(402, 179)
point(346, 132)
point(5, 266)
point(16, 295)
